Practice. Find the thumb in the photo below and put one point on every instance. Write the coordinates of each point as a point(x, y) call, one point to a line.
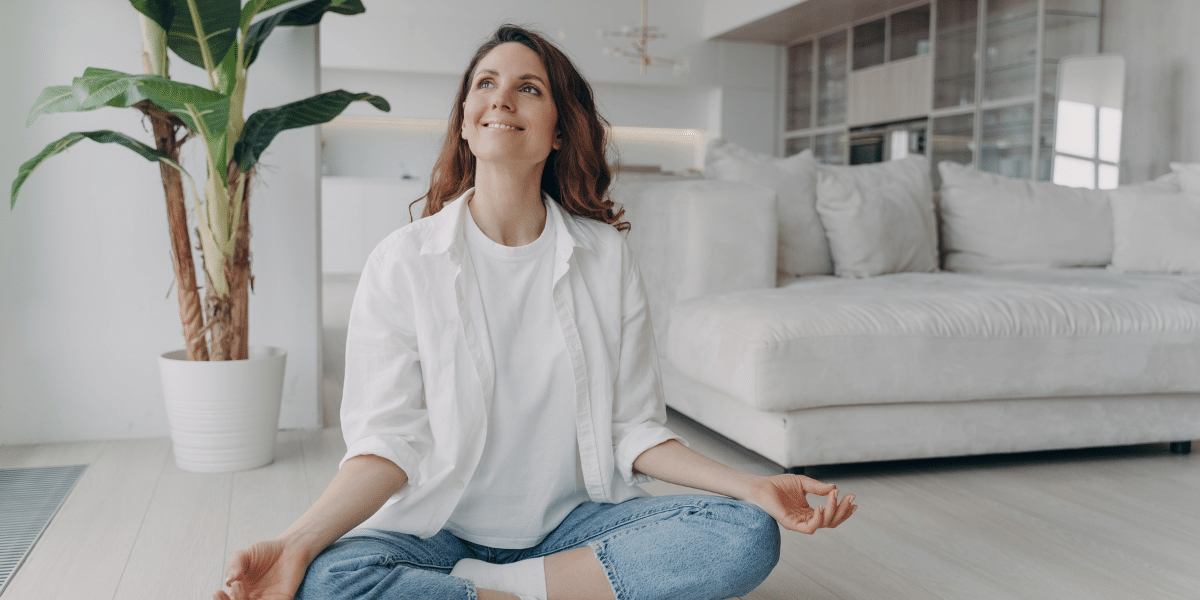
point(812, 486)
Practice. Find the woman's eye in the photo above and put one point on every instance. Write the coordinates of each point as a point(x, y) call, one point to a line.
point(531, 89)
point(484, 83)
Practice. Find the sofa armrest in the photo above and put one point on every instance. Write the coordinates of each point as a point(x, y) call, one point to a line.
point(696, 238)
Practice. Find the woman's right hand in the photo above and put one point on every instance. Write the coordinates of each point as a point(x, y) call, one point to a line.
point(269, 570)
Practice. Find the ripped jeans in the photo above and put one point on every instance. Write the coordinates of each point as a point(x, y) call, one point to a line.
point(701, 547)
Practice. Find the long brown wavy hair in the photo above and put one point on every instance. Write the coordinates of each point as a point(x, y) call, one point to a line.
point(576, 175)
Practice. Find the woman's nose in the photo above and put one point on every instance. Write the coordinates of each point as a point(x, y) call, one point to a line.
point(502, 99)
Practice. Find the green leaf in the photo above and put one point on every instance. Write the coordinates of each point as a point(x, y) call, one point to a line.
point(262, 126)
point(309, 13)
point(159, 11)
point(105, 87)
point(256, 7)
point(103, 137)
point(58, 98)
point(219, 20)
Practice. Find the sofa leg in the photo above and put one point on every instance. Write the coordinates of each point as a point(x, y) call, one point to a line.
point(800, 470)
point(1181, 447)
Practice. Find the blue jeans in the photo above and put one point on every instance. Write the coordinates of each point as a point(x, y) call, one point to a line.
point(702, 547)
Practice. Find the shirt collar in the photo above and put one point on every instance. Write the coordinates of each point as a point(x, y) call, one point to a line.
point(448, 228)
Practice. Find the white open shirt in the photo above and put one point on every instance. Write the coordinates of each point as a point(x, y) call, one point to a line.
point(420, 372)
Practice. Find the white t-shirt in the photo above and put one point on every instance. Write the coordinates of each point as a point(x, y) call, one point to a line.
point(529, 477)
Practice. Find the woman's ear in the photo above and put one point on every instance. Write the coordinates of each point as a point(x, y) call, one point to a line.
point(557, 143)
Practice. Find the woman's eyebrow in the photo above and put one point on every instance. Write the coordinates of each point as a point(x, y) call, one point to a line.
point(523, 77)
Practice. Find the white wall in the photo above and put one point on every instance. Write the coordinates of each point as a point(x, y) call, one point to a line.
point(418, 50)
point(1162, 85)
point(84, 257)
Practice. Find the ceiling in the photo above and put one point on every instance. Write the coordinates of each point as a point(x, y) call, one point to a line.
point(809, 17)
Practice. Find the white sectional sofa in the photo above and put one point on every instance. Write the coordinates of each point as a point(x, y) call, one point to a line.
point(803, 311)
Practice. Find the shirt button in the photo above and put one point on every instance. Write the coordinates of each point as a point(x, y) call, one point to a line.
point(460, 485)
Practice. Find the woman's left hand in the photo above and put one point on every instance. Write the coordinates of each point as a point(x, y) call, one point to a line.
point(785, 497)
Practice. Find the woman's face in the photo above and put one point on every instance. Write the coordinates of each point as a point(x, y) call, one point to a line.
point(509, 115)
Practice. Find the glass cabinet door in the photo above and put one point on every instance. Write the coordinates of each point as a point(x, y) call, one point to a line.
point(1006, 141)
point(830, 148)
point(954, 70)
point(951, 138)
point(831, 82)
point(799, 86)
point(909, 33)
point(1010, 59)
point(796, 145)
point(869, 44)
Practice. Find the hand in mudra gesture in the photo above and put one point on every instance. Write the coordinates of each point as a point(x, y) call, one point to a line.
point(785, 497)
point(263, 571)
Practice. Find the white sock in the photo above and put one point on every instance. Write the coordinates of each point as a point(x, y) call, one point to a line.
point(525, 578)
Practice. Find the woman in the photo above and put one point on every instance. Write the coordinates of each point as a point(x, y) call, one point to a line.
point(502, 396)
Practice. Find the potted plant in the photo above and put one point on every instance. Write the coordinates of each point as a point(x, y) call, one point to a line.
point(218, 371)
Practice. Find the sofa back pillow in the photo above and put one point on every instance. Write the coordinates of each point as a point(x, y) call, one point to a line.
point(879, 217)
point(802, 246)
point(1189, 176)
point(991, 222)
point(1156, 233)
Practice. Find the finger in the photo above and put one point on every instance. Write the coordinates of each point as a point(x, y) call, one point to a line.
point(830, 509)
point(219, 595)
point(844, 511)
point(812, 486)
point(236, 566)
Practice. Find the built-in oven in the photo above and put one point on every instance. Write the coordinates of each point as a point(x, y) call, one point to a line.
point(877, 143)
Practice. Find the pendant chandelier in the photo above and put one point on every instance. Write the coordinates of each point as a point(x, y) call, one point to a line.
point(636, 49)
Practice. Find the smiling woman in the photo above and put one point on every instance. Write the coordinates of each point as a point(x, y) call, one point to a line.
point(502, 398)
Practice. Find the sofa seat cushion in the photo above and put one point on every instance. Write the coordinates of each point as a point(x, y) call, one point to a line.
point(939, 337)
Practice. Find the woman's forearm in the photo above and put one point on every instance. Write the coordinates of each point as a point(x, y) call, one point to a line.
point(359, 488)
point(675, 463)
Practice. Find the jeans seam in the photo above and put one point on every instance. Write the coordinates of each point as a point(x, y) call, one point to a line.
point(610, 572)
point(575, 542)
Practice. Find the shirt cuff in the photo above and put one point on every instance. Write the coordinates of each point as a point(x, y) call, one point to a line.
point(392, 448)
point(640, 439)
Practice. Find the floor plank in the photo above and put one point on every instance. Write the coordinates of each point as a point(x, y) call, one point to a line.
point(180, 549)
point(94, 531)
point(266, 501)
point(323, 450)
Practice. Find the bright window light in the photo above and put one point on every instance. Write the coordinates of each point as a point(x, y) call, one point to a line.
point(899, 144)
point(1076, 130)
point(1109, 174)
point(1110, 134)
point(1074, 172)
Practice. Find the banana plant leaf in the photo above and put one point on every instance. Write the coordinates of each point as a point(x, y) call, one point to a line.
point(56, 98)
point(105, 87)
point(257, 7)
point(219, 20)
point(262, 126)
point(309, 13)
point(103, 137)
point(161, 12)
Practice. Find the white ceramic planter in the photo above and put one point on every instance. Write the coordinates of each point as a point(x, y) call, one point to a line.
point(223, 414)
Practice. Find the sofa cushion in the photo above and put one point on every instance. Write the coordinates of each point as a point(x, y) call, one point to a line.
point(1156, 233)
point(990, 222)
point(936, 337)
point(802, 246)
point(879, 218)
point(1189, 176)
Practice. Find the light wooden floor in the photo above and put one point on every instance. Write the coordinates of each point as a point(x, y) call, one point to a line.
point(1120, 523)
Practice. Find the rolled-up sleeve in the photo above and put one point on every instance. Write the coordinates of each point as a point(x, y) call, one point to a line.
point(639, 408)
point(383, 404)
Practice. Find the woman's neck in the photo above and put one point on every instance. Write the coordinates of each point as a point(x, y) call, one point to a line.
point(507, 205)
